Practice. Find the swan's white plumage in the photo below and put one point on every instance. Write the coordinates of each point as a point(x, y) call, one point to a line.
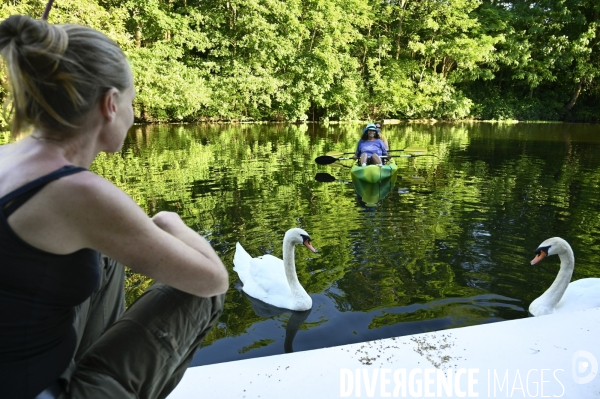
point(265, 277)
point(563, 296)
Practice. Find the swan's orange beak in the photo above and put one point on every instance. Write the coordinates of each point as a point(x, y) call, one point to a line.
point(308, 245)
point(541, 255)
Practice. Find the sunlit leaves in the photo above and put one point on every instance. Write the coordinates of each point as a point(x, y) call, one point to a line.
point(297, 60)
point(166, 88)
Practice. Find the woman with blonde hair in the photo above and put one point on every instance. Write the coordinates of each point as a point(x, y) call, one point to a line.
point(63, 329)
point(379, 126)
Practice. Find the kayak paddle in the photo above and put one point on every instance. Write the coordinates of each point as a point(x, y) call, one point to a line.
point(415, 150)
point(327, 160)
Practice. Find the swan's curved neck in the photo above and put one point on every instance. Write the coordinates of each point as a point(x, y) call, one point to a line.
point(553, 294)
point(289, 264)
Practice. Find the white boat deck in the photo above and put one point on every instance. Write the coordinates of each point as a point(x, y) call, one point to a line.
point(549, 356)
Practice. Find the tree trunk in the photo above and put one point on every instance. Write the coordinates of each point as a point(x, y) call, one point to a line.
point(363, 64)
point(138, 31)
point(400, 28)
point(571, 103)
point(144, 116)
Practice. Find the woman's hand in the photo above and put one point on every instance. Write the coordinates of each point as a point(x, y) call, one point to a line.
point(172, 223)
point(167, 221)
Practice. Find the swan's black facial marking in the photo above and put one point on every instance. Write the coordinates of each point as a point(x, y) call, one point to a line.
point(543, 249)
point(540, 254)
point(306, 242)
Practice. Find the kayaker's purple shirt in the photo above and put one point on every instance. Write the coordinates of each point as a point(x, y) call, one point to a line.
point(371, 147)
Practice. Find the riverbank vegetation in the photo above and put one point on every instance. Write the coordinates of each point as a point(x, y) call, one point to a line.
point(325, 60)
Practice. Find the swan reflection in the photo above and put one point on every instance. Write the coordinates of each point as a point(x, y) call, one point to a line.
point(265, 310)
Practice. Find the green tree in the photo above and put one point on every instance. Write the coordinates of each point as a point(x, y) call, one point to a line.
point(416, 51)
point(350, 59)
point(549, 57)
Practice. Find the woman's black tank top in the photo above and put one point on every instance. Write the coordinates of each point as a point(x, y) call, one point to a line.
point(38, 293)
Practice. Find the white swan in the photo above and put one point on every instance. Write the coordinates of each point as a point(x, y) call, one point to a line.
point(563, 297)
point(272, 280)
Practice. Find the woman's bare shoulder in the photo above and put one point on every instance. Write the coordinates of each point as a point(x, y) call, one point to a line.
point(86, 191)
point(69, 212)
point(90, 202)
point(85, 181)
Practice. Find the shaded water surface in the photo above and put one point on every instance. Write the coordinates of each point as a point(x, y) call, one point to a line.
point(449, 246)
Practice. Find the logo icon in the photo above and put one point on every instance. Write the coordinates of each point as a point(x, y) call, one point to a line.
point(584, 367)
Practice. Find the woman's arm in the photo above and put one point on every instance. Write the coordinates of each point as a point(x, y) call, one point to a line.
point(358, 152)
point(163, 247)
point(385, 142)
point(171, 223)
point(383, 148)
point(86, 211)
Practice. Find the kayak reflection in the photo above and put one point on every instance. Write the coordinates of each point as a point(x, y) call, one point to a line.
point(372, 193)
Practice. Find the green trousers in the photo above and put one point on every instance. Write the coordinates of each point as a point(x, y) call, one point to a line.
point(139, 353)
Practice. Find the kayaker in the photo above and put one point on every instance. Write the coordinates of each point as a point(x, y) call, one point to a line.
point(379, 126)
point(64, 332)
point(370, 148)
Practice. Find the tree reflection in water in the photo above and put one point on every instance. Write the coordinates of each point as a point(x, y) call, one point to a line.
point(449, 246)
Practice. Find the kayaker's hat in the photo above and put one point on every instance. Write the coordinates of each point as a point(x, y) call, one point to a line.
point(370, 126)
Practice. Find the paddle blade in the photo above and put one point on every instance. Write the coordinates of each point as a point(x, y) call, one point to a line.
point(324, 177)
point(325, 160)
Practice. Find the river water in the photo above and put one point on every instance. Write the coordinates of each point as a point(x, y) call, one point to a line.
point(448, 246)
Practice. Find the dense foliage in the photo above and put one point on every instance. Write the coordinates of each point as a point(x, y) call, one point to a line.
point(350, 59)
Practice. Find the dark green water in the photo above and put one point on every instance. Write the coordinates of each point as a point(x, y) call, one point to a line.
point(448, 247)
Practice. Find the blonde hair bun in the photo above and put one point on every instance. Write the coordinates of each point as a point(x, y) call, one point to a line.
point(57, 73)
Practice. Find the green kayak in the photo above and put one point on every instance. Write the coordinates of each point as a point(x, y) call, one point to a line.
point(373, 173)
